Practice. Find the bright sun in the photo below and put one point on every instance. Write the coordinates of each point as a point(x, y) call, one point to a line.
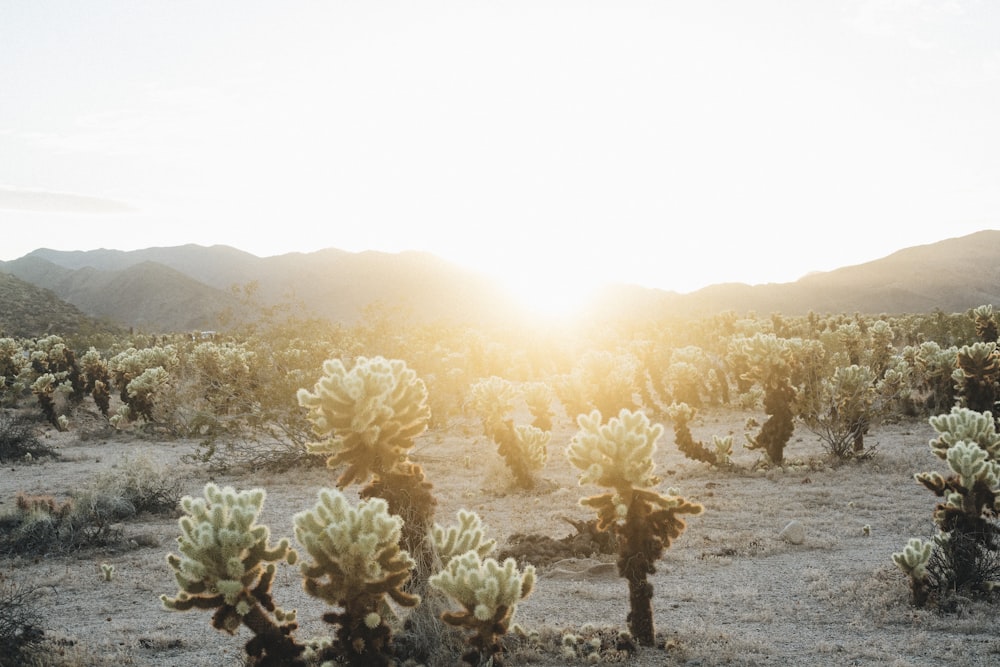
point(553, 295)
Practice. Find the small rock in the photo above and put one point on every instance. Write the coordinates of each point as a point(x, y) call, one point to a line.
point(793, 533)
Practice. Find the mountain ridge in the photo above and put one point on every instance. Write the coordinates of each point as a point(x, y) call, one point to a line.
point(188, 287)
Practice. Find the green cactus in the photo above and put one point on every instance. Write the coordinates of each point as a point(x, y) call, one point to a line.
point(369, 417)
point(912, 560)
point(968, 538)
point(356, 561)
point(619, 455)
point(227, 564)
point(488, 592)
point(468, 535)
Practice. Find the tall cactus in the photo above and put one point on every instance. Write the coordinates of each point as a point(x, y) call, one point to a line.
point(619, 455)
point(368, 417)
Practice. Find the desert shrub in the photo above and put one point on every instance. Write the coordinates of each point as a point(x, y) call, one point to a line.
point(42, 525)
point(619, 456)
point(844, 409)
point(137, 483)
point(20, 622)
point(19, 440)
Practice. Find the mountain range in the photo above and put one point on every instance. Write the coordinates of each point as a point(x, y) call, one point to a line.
point(192, 287)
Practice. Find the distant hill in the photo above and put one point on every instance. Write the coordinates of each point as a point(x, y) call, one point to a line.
point(188, 287)
point(27, 311)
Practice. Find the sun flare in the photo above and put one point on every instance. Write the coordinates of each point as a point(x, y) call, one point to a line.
point(553, 295)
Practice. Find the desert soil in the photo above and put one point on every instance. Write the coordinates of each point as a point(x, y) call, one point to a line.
point(730, 591)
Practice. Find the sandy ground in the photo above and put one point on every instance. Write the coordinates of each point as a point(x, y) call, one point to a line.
point(730, 591)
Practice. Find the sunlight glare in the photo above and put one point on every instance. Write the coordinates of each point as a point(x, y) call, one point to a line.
point(553, 295)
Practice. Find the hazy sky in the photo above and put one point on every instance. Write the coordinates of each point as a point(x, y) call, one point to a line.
point(668, 144)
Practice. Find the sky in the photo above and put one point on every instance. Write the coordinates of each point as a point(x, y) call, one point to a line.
point(556, 145)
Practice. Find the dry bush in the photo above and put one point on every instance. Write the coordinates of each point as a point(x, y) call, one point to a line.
point(20, 622)
point(18, 439)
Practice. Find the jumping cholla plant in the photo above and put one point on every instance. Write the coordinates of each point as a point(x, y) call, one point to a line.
point(986, 325)
point(844, 408)
point(619, 455)
point(523, 447)
point(356, 561)
point(369, 417)
point(227, 564)
point(488, 592)
point(977, 378)
point(965, 556)
point(720, 454)
point(771, 364)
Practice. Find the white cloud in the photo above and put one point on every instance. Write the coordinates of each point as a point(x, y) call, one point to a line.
point(42, 201)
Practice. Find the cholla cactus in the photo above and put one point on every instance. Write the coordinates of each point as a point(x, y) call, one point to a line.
point(488, 592)
point(44, 389)
point(968, 539)
point(492, 399)
point(227, 564)
point(963, 424)
point(97, 379)
point(912, 560)
point(369, 416)
point(356, 561)
point(986, 326)
point(977, 378)
point(619, 455)
point(539, 397)
point(523, 448)
point(468, 535)
point(771, 363)
point(142, 377)
point(719, 454)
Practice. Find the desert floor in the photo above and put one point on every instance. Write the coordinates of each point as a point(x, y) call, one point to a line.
point(730, 591)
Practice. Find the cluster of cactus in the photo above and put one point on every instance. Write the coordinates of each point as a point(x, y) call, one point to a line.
point(142, 376)
point(719, 454)
point(600, 380)
point(968, 537)
point(524, 448)
point(353, 562)
point(844, 408)
point(619, 455)
point(487, 590)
